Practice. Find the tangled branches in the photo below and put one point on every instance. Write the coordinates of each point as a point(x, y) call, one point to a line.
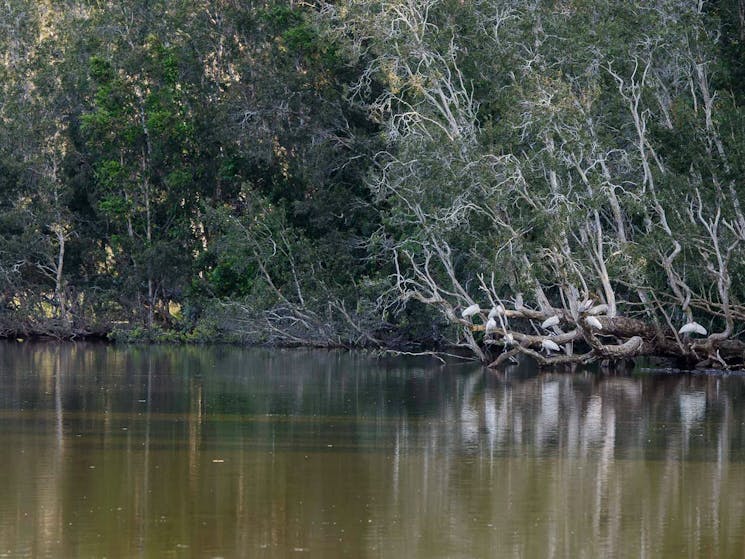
point(601, 185)
point(587, 333)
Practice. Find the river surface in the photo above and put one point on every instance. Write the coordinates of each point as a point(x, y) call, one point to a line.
point(225, 452)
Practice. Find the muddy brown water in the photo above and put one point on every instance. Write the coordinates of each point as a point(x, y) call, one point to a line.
point(228, 452)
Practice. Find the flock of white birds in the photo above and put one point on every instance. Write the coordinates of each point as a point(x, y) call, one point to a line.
point(547, 345)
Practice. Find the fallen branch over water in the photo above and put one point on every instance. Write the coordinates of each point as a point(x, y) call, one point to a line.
point(586, 337)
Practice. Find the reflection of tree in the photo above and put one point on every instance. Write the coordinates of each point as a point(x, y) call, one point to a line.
point(573, 466)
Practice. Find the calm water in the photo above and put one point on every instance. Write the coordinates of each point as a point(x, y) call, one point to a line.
point(224, 452)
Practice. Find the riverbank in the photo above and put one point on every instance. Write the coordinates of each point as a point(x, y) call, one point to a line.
point(403, 341)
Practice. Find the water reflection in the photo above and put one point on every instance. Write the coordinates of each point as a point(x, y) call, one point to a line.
point(181, 452)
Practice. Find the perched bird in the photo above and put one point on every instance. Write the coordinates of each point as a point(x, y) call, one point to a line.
point(496, 311)
point(692, 328)
point(598, 309)
point(593, 322)
point(470, 311)
point(548, 346)
point(550, 321)
point(518, 301)
point(491, 324)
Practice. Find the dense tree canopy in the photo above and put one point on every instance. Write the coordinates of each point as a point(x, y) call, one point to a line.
point(360, 173)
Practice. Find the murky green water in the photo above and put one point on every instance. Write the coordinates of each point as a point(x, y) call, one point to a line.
point(223, 452)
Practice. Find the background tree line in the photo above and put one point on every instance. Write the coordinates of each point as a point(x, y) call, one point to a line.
point(359, 173)
point(166, 162)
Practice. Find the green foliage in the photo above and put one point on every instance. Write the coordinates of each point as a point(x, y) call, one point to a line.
point(210, 163)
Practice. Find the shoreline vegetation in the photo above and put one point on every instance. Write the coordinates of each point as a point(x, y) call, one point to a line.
point(665, 354)
point(561, 180)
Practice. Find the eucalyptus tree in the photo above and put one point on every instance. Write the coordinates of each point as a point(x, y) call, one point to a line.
point(142, 136)
point(284, 261)
point(562, 161)
point(36, 219)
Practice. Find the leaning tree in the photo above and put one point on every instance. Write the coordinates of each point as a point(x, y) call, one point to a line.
point(560, 179)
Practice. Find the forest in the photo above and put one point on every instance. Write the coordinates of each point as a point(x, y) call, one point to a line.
point(557, 179)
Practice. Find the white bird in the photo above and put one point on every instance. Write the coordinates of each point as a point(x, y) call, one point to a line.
point(598, 309)
point(518, 301)
point(470, 311)
point(593, 322)
point(548, 346)
point(550, 321)
point(491, 324)
point(692, 328)
point(496, 311)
